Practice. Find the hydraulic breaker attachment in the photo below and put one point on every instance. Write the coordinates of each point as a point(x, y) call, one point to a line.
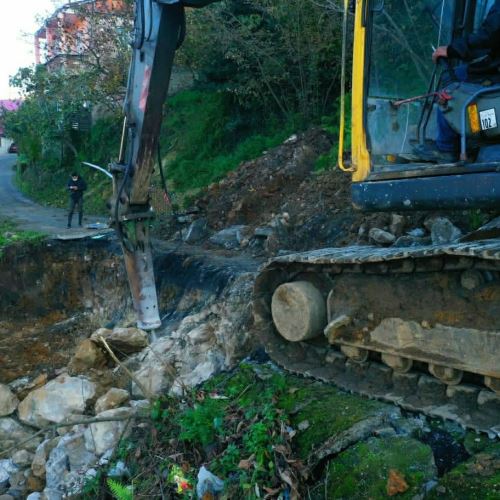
point(140, 271)
point(159, 29)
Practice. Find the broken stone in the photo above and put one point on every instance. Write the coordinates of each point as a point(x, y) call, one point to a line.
point(154, 377)
point(7, 472)
point(200, 374)
point(22, 458)
point(8, 401)
point(33, 483)
point(112, 399)
point(140, 405)
point(196, 231)
point(34, 496)
point(417, 232)
point(442, 230)
point(56, 400)
point(41, 455)
point(56, 468)
point(103, 436)
point(397, 224)
point(412, 241)
point(22, 387)
point(12, 432)
point(74, 447)
point(229, 238)
point(381, 237)
point(88, 355)
point(263, 232)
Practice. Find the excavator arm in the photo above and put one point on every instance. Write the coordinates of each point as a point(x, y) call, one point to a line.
point(159, 29)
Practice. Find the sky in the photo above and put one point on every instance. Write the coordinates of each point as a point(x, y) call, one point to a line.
point(19, 19)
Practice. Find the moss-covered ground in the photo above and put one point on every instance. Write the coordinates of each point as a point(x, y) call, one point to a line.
point(258, 429)
point(363, 470)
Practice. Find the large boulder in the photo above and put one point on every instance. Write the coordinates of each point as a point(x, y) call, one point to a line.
point(8, 401)
point(56, 401)
point(122, 340)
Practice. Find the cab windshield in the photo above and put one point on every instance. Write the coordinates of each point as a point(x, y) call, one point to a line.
point(402, 35)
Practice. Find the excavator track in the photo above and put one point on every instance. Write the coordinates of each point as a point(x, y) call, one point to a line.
point(395, 315)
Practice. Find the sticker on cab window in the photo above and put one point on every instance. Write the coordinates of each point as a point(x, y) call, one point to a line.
point(488, 119)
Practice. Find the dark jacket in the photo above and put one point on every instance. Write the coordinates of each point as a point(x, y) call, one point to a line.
point(485, 42)
point(81, 186)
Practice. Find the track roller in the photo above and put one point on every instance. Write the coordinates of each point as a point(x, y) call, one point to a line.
point(450, 376)
point(355, 353)
point(397, 363)
point(492, 383)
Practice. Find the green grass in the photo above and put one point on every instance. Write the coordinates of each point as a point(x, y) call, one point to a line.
point(205, 135)
point(10, 235)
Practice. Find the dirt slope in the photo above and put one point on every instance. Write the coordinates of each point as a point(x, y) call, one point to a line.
point(303, 209)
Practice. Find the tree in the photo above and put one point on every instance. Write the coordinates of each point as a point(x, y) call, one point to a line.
point(87, 67)
point(279, 53)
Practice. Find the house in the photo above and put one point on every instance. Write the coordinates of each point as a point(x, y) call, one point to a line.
point(67, 34)
point(6, 105)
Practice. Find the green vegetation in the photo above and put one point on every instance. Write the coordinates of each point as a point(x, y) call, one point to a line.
point(248, 428)
point(263, 70)
point(120, 492)
point(206, 134)
point(479, 477)
point(233, 425)
point(10, 235)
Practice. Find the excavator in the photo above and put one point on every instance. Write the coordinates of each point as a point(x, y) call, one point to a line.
point(418, 326)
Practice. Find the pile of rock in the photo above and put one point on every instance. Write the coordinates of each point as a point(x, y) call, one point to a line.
point(435, 230)
point(44, 440)
point(54, 434)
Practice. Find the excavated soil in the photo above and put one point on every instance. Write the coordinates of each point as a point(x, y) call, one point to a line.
point(314, 208)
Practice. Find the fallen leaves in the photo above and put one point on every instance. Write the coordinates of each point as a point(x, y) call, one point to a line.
point(247, 464)
point(396, 483)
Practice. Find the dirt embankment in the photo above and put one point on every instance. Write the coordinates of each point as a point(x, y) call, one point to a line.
point(278, 202)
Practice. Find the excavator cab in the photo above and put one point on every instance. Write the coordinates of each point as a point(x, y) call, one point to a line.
point(397, 94)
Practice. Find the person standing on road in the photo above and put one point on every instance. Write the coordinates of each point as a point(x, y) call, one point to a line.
point(76, 186)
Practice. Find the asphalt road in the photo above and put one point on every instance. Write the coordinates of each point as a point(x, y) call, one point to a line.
point(28, 215)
